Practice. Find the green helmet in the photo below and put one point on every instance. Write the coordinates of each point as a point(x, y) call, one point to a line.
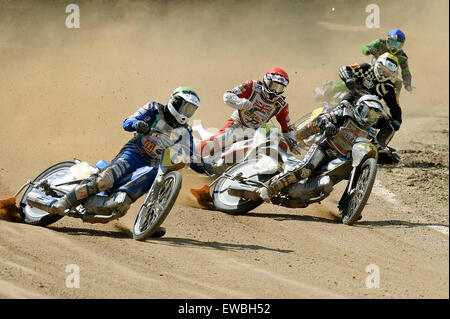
point(183, 103)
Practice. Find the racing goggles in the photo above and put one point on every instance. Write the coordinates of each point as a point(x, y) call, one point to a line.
point(368, 115)
point(187, 109)
point(275, 83)
point(184, 107)
point(394, 44)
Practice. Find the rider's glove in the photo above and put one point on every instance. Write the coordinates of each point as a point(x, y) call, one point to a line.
point(142, 127)
point(292, 142)
point(216, 169)
point(344, 73)
point(246, 105)
point(331, 129)
point(350, 84)
point(395, 124)
point(408, 87)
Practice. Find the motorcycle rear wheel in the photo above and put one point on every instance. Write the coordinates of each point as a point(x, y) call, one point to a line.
point(231, 204)
point(355, 204)
point(150, 218)
point(35, 216)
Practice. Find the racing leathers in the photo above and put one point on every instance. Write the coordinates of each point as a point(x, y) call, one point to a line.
point(378, 47)
point(143, 149)
point(361, 79)
point(341, 132)
point(251, 111)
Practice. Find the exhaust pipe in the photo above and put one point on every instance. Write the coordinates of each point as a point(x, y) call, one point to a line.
point(40, 201)
point(311, 189)
point(244, 191)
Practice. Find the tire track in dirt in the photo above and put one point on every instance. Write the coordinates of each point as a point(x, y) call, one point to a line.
point(389, 196)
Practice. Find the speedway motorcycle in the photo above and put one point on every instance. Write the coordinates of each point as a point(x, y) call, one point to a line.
point(228, 156)
point(386, 154)
point(103, 207)
point(235, 191)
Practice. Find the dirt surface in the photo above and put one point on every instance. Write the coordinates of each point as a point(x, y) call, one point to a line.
point(65, 92)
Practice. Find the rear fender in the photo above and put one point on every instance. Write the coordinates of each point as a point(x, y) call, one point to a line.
point(318, 111)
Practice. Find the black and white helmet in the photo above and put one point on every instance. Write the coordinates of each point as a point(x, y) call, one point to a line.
point(386, 67)
point(368, 110)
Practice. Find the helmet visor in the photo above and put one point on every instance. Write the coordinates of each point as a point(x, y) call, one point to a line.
point(275, 83)
point(187, 109)
point(276, 87)
point(394, 45)
point(369, 116)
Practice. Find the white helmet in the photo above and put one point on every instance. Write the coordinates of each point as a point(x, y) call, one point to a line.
point(386, 67)
point(368, 110)
point(183, 103)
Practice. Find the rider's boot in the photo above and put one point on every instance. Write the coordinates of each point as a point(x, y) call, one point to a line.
point(161, 231)
point(60, 206)
point(281, 181)
point(94, 184)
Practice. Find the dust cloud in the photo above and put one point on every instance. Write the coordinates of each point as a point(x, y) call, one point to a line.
point(65, 92)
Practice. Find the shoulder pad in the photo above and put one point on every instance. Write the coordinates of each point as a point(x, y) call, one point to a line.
point(249, 83)
point(246, 86)
point(149, 105)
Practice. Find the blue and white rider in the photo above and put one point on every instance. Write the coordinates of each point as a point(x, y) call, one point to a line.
point(158, 126)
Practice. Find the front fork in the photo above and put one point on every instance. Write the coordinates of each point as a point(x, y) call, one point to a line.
point(153, 192)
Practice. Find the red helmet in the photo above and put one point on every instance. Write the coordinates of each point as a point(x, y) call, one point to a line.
point(275, 81)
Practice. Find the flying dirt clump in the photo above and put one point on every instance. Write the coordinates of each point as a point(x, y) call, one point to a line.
point(9, 211)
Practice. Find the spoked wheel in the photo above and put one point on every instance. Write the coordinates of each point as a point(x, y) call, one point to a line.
point(58, 173)
point(153, 213)
point(231, 204)
point(355, 203)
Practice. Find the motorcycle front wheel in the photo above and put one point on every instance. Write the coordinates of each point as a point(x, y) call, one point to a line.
point(151, 216)
point(355, 203)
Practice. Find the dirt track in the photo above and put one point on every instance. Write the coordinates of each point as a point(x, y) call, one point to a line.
point(65, 93)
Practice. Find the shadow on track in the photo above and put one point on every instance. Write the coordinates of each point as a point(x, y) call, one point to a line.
point(171, 241)
point(121, 233)
point(307, 218)
point(188, 242)
point(336, 220)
